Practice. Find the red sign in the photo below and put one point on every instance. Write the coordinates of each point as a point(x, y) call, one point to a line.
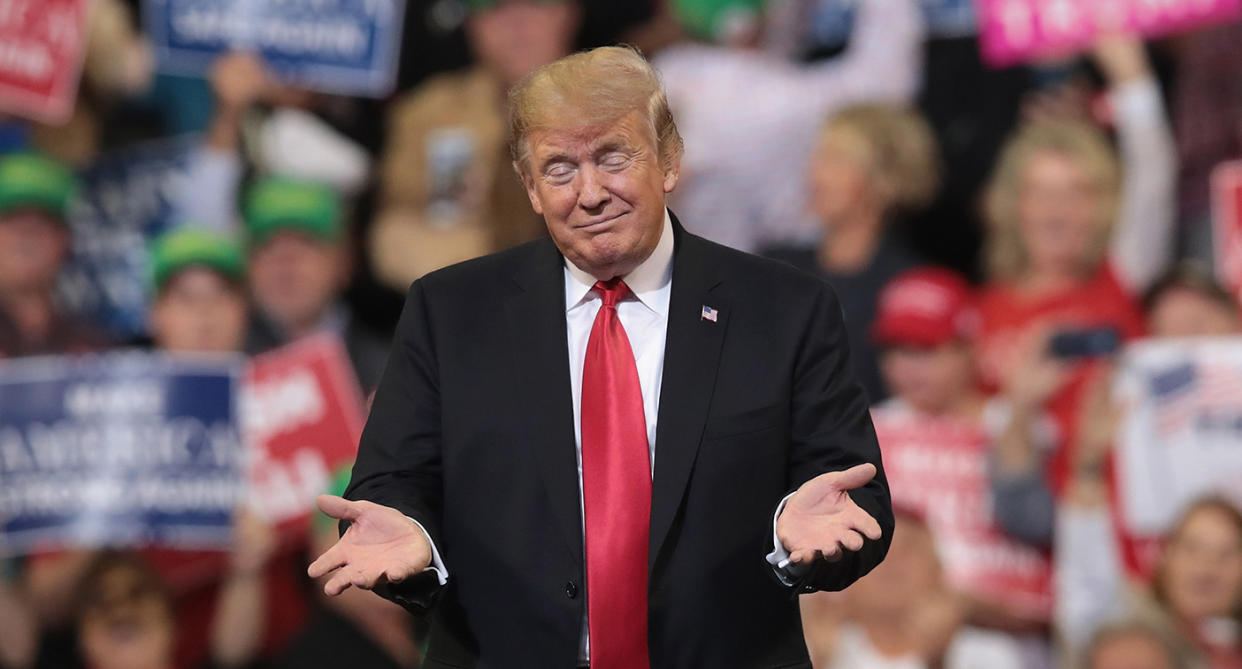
point(302, 416)
point(938, 469)
point(42, 44)
point(1227, 225)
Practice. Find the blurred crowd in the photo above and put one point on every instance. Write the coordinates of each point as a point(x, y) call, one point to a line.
point(995, 237)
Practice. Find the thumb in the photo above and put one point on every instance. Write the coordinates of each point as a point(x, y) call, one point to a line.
point(854, 477)
point(338, 507)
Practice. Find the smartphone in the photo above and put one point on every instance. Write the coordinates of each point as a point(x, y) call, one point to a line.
point(1085, 343)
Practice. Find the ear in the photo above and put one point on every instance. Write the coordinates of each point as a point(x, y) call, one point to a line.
point(528, 182)
point(672, 172)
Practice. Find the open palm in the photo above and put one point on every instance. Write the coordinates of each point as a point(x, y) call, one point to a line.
point(380, 545)
point(821, 519)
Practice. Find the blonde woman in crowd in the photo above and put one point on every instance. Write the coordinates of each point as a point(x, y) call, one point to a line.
point(872, 163)
point(1196, 590)
point(1076, 234)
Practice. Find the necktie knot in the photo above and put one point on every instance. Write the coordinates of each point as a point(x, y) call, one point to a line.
point(612, 291)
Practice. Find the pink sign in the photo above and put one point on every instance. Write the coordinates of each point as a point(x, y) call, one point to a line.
point(42, 44)
point(937, 468)
point(1015, 31)
point(1227, 225)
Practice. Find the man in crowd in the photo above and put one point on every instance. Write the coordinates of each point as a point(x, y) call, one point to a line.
point(299, 265)
point(35, 193)
point(446, 191)
point(507, 466)
point(200, 292)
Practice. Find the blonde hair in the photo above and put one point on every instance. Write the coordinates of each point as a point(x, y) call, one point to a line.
point(1178, 649)
point(590, 88)
point(1005, 252)
point(905, 159)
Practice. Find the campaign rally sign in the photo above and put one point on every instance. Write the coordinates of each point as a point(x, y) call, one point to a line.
point(937, 468)
point(1014, 31)
point(1182, 431)
point(121, 449)
point(301, 417)
point(42, 45)
point(348, 47)
point(1227, 225)
point(125, 200)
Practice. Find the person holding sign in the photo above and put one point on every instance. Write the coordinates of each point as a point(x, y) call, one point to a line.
point(942, 440)
point(582, 448)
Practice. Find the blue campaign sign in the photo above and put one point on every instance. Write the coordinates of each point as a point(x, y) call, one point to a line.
point(833, 20)
point(124, 201)
point(349, 47)
point(119, 449)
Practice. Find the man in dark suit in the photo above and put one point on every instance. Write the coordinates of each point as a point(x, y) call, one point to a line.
point(583, 448)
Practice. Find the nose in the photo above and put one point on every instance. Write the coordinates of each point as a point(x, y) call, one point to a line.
point(592, 194)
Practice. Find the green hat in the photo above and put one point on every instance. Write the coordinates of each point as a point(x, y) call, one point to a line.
point(33, 180)
point(714, 19)
point(185, 247)
point(282, 203)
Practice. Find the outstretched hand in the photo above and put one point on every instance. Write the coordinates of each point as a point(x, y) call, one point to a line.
point(820, 519)
point(381, 545)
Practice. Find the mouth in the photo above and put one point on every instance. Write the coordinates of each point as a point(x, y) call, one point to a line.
point(600, 222)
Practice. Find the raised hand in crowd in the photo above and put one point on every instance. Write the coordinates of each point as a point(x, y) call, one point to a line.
point(1097, 429)
point(237, 631)
point(238, 80)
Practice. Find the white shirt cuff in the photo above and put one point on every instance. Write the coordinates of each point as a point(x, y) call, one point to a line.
point(437, 564)
point(779, 557)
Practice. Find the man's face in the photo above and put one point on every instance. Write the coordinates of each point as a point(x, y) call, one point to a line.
point(601, 191)
point(32, 247)
point(199, 311)
point(1182, 312)
point(930, 379)
point(294, 278)
point(515, 38)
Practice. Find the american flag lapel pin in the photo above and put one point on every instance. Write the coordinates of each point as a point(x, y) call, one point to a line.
point(709, 314)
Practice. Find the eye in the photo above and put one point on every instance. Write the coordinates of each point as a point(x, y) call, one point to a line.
point(559, 173)
point(614, 160)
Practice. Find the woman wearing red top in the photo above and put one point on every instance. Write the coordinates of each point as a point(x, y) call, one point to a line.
point(1076, 234)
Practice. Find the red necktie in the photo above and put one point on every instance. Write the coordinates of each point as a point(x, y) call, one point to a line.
point(616, 487)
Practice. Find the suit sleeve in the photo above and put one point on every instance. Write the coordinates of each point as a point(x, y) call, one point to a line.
point(831, 430)
point(399, 463)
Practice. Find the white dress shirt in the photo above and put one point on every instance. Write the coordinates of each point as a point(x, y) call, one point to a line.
point(645, 319)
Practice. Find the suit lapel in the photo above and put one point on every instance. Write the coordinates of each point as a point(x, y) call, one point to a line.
point(691, 356)
point(535, 314)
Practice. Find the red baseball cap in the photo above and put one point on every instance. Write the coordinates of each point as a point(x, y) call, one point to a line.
point(926, 306)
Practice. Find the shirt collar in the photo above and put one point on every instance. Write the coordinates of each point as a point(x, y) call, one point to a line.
point(648, 281)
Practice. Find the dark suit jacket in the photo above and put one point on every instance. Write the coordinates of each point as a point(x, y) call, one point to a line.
point(471, 433)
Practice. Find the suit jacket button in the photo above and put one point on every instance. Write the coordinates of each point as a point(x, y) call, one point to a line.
point(571, 589)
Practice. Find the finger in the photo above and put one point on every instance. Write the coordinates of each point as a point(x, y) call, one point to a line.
point(337, 584)
point(854, 477)
point(851, 541)
point(366, 579)
point(868, 526)
point(338, 507)
point(804, 556)
point(331, 559)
